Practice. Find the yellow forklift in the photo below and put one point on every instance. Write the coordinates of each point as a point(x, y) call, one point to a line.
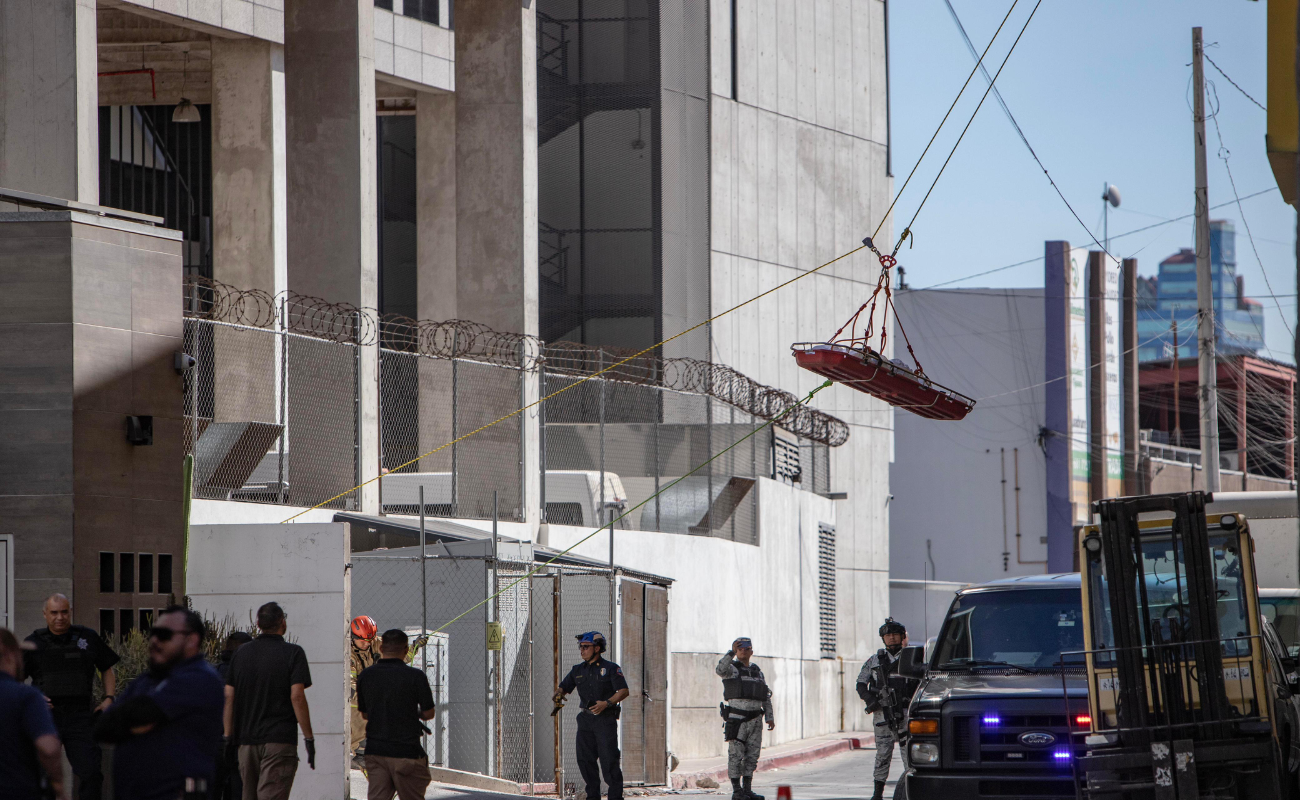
point(1190, 694)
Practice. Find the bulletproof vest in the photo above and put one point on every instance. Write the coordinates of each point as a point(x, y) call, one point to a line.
point(747, 685)
point(67, 668)
point(903, 686)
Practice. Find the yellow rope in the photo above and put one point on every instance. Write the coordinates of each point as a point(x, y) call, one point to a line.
point(615, 365)
point(715, 317)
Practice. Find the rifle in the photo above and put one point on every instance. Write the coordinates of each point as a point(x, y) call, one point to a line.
point(891, 707)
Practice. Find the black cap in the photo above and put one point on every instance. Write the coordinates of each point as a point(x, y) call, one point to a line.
point(892, 626)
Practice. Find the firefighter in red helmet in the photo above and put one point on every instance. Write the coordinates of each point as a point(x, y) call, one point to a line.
point(364, 630)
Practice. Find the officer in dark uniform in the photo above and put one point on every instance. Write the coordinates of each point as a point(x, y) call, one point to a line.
point(62, 663)
point(601, 687)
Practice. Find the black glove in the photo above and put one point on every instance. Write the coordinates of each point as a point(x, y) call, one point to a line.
point(310, 744)
point(230, 752)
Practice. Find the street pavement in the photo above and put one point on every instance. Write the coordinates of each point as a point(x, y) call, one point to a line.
point(845, 775)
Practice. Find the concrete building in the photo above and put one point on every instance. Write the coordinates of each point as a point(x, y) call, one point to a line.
point(609, 174)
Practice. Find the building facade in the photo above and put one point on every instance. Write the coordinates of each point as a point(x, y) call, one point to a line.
point(333, 181)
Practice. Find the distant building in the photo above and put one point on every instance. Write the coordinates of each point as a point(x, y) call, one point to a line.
point(1238, 319)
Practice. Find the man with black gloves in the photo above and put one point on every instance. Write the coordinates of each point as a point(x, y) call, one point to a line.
point(601, 687)
point(747, 704)
point(167, 724)
point(885, 663)
point(62, 663)
point(395, 701)
point(266, 703)
point(229, 786)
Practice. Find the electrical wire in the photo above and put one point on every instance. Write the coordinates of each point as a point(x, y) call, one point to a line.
point(1230, 80)
point(993, 82)
point(997, 95)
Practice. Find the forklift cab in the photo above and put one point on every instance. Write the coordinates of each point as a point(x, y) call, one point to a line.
point(1179, 694)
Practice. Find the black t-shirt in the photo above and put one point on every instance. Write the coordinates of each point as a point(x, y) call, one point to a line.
point(392, 696)
point(262, 673)
point(63, 667)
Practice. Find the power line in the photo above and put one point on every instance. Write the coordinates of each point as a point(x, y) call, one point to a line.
point(997, 95)
point(1113, 236)
point(1234, 83)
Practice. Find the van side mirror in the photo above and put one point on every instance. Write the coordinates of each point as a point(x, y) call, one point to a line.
point(911, 662)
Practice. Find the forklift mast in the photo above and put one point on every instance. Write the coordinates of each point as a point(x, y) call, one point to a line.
point(1153, 690)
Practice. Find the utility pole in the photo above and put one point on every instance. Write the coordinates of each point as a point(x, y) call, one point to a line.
point(1209, 396)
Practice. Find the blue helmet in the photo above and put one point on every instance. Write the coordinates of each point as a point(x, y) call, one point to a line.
point(595, 637)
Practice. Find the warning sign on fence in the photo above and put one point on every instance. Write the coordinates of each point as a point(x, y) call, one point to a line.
point(494, 637)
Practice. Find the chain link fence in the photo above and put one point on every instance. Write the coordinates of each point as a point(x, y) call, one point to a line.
point(495, 717)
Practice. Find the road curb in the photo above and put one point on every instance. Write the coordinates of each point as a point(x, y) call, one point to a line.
point(690, 780)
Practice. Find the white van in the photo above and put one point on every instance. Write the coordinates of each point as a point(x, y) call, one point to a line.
point(573, 497)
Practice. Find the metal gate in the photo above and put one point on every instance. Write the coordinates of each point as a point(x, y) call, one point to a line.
point(643, 652)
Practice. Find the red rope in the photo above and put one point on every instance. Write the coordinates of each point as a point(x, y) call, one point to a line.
point(882, 284)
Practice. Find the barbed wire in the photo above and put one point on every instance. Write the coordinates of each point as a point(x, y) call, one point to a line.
point(463, 339)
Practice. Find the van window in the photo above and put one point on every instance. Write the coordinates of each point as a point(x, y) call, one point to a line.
point(564, 513)
point(1284, 614)
point(1023, 627)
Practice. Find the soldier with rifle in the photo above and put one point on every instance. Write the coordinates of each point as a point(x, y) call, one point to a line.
point(887, 695)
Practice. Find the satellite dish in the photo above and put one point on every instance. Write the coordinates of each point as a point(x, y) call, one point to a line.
point(1111, 195)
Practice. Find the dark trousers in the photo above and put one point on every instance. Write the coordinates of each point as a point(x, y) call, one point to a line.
point(228, 785)
point(597, 752)
point(76, 725)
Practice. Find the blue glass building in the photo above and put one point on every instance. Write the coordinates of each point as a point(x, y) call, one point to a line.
point(1239, 320)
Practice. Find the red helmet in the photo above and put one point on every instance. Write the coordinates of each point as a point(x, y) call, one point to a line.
point(364, 627)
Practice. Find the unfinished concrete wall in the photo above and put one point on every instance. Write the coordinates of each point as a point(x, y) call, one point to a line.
point(49, 115)
point(90, 327)
point(798, 177)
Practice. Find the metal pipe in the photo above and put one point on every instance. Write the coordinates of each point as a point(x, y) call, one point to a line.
point(556, 621)
point(424, 594)
point(1006, 553)
point(1015, 453)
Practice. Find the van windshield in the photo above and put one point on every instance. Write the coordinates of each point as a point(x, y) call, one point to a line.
point(1027, 628)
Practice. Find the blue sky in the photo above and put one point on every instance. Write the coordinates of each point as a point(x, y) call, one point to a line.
point(1102, 92)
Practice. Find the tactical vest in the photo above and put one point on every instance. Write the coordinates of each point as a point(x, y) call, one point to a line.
point(904, 687)
point(67, 668)
point(747, 685)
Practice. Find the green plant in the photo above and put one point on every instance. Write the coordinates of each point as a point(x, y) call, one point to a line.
point(133, 649)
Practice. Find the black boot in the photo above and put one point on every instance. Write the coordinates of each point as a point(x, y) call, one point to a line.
point(880, 791)
point(737, 793)
point(746, 783)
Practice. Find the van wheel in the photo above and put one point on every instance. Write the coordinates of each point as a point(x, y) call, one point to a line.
point(900, 788)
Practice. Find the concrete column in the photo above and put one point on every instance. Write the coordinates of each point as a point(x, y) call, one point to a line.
point(248, 164)
point(248, 241)
point(332, 178)
point(496, 202)
point(435, 164)
point(49, 115)
point(496, 164)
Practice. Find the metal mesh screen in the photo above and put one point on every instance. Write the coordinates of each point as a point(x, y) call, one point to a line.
point(586, 604)
point(250, 382)
point(607, 447)
point(826, 589)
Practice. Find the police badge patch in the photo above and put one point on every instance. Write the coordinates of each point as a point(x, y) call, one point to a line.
point(602, 672)
point(83, 644)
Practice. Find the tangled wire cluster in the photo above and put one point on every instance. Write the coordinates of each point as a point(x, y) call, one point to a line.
point(462, 339)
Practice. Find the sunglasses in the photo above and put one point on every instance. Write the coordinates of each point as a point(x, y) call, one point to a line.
point(165, 634)
point(585, 646)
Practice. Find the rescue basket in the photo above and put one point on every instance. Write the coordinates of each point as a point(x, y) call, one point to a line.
point(853, 362)
point(859, 367)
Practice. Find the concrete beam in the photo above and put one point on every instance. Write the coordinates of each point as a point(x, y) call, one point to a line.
point(49, 114)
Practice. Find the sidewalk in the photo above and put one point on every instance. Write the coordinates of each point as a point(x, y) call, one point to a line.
point(708, 773)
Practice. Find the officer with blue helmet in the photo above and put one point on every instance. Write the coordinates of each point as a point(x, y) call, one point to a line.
point(601, 687)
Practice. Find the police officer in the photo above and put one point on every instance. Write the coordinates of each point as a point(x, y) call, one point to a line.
point(363, 630)
point(894, 636)
point(167, 725)
point(601, 687)
point(62, 663)
point(747, 704)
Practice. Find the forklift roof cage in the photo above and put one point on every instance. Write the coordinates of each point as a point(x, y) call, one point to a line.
point(860, 367)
